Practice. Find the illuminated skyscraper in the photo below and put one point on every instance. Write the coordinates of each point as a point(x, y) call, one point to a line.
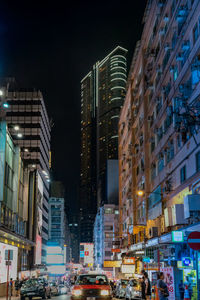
point(102, 96)
point(29, 126)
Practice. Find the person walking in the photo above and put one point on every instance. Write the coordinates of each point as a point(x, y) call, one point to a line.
point(17, 286)
point(181, 290)
point(11, 287)
point(162, 287)
point(142, 283)
point(147, 286)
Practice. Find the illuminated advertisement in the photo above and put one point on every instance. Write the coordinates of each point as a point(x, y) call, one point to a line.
point(38, 248)
point(128, 269)
point(55, 255)
point(169, 280)
point(112, 263)
point(56, 270)
point(55, 260)
point(12, 267)
point(87, 253)
point(129, 260)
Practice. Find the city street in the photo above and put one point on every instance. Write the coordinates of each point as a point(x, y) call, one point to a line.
point(61, 297)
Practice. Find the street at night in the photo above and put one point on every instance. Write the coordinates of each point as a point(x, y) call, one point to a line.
point(100, 150)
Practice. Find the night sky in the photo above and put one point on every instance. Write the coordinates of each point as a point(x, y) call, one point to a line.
point(52, 47)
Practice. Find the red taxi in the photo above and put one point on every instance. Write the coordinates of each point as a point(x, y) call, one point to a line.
point(91, 287)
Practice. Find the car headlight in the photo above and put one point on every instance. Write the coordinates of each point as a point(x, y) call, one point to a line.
point(104, 292)
point(76, 293)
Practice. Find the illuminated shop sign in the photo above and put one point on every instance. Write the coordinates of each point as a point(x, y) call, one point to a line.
point(186, 262)
point(177, 237)
point(128, 269)
point(129, 261)
point(111, 264)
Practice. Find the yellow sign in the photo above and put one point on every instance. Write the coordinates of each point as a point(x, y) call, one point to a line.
point(112, 264)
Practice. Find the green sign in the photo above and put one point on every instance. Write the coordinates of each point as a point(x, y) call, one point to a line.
point(177, 237)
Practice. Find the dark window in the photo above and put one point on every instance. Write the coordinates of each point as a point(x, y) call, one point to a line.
point(195, 34)
point(183, 174)
point(198, 161)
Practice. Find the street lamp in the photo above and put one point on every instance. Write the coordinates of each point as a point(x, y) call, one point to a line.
point(5, 105)
point(1, 93)
point(16, 127)
point(140, 193)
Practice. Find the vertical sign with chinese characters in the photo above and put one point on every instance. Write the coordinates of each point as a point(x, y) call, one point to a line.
point(169, 280)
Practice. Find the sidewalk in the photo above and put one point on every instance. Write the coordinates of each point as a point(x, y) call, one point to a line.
point(12, 298)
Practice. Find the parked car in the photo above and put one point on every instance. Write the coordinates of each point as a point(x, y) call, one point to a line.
point(120, 290)
point(133, 290)
point(54, 288)
point(35, 288)
point(62, 289)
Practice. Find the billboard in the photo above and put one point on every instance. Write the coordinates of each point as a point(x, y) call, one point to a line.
point(12, 267)
point(128, 269)
point(55, 255)
point(87, 253)
point(112, 263)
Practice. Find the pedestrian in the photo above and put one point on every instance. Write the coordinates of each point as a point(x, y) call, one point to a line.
point(142, 283)
point(187, 288)
point(147, 286)
point(162, 287)
point(11, 287)
point(17, 286)
point(181, 290)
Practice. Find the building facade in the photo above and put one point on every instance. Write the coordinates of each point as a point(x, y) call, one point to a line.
point(57, 221)
point(102, 95)
point(16, 222)
point(104, 233)
point(159, 132)
point(29, 127)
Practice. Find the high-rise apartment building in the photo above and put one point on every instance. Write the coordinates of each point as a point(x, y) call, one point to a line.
point(29, 126)
point(102, 96)
point(104, 233)
point(57, 221)
point(74, 228)
point(159, 152)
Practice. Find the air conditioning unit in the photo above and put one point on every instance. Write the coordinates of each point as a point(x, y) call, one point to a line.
point(168, 216)
point(153, 232)
point(179, 57)
point(191, 205)
point(149, 118)
point(186, 45)
point(171, 69)
point(162, 228)
point(162, 31)
point(166, 18)
point(178, 214)
point(167, 47)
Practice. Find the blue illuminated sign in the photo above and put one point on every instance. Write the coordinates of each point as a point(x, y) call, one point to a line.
point(186, 261)
point(146, 259)
point(82, 254)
